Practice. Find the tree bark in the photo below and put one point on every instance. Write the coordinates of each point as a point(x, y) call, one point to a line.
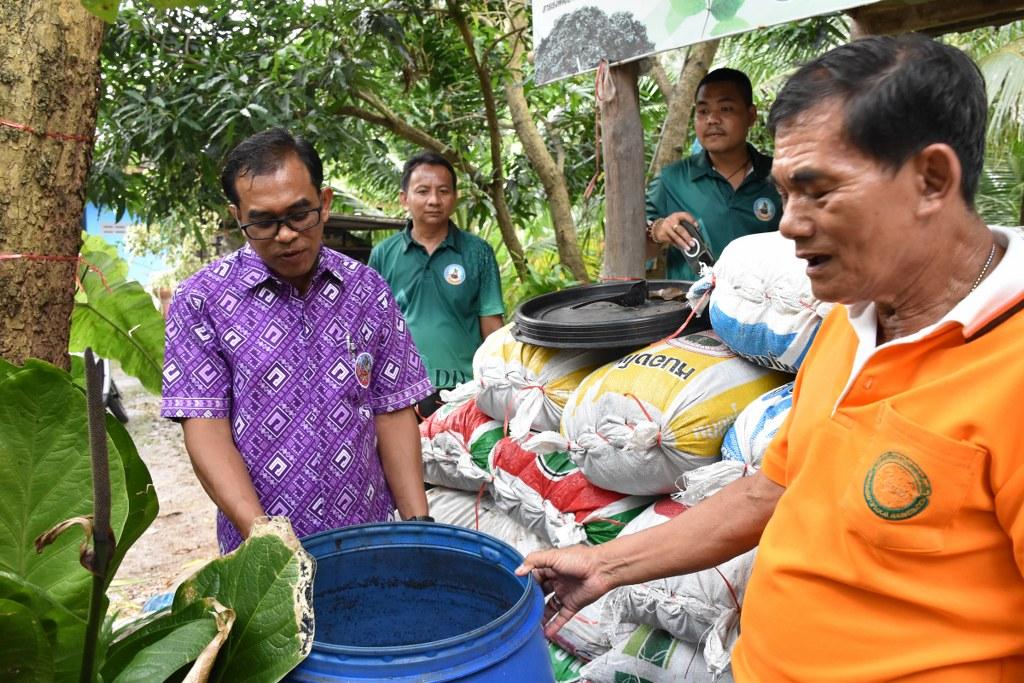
point(49, 84)
point(622, 140)
point(548, 170)
point(496, 187)
point(680, 104)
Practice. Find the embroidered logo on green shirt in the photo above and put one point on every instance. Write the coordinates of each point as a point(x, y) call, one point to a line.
point(896, 488)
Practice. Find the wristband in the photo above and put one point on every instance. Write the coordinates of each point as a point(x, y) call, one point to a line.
point(421, 518)
point(650, 231)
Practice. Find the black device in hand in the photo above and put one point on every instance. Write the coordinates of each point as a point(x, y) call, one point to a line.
point(699, 252)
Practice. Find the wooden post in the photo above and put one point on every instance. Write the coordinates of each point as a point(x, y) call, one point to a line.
point(622, 142)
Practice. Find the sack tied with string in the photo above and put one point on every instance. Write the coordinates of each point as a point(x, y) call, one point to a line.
point(478, 511)
point(526, 384)
point(761, 302)
point(651, 655)
point(702, 607)
point(743, 447)
point(636, 424)
point(548, 493)
point(457, 441)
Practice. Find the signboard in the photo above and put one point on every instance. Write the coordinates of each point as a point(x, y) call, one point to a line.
point(573, 36)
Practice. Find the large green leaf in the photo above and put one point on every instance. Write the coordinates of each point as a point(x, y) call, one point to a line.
point(161, 646)
point(267, 582)
point(45, 468)
point(143, 506)
point(64, 630)
point(117, 317)
point(25, 655)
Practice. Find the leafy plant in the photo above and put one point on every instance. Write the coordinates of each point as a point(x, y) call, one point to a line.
point(116, 316)
point(244, 616)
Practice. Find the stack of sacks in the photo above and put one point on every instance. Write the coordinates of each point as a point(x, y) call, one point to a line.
point(761, 302)
point(527, 385)
point(702, 607)
point(637, 424)
point(744, 445)
point(478, 511)
point(548, 493)
point(652, 656)
point(457, 441)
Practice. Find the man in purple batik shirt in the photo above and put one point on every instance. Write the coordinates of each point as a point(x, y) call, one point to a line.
point(289, 365)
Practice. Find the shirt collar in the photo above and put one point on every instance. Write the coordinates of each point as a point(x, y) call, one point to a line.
point(996, 294)
point(255, 272)
point(762, 164)
point(452, 240)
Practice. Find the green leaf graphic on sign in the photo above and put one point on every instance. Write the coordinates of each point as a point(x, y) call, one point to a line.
point(725, 9)
point(727, 26)
point(680, 10)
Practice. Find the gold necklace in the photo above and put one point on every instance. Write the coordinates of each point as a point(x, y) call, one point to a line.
point(988, 262)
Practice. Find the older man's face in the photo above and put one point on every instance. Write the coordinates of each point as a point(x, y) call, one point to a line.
point(852, 219)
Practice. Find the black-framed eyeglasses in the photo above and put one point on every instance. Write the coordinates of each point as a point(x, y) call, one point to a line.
point(267, 229)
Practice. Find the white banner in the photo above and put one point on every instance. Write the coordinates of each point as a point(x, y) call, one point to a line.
point(573, 36)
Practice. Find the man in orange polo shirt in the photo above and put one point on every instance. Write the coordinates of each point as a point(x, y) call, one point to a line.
point(889, 512)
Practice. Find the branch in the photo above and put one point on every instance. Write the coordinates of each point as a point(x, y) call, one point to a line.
point(497, 185)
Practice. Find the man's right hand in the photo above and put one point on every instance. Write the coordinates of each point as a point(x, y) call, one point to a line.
point(572, 576)
point(670, 230)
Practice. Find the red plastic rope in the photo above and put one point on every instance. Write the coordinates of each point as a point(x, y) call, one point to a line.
point(644, 411)
point(693, 312)
point(476, 506)
point(732, 592)
point(46, 134)
point(602, 73)
point(60, 258)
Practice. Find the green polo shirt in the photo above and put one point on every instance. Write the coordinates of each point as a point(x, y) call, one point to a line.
point(442, 296)
point(692, 185)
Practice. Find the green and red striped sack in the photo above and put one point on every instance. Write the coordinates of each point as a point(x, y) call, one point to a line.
point(565, 667)
point(457, 442)
point(651, 655)
point(549, 494)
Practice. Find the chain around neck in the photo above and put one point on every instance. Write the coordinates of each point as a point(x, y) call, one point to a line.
point(988, 262)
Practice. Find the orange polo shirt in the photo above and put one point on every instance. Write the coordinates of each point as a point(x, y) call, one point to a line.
point(897, 550)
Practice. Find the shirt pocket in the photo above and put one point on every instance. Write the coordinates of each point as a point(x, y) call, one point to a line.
point(907, 485)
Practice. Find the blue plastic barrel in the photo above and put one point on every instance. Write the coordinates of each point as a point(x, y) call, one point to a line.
point(422, 602)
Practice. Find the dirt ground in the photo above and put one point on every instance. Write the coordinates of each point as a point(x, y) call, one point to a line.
point(183, 537)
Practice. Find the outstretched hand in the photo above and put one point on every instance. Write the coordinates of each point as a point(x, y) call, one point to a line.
point(571, 576)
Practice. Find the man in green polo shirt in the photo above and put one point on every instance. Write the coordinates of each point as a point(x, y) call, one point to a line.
point(445, 280)
point(725, 188)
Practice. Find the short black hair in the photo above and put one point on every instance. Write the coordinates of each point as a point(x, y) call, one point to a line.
point(265, 152)
point(726, 75)
point(426, 158)
point(899, 94)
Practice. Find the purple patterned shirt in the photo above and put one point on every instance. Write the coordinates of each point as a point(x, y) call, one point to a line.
point(300, 377)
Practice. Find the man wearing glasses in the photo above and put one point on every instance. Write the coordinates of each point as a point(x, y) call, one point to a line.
point(290, 366)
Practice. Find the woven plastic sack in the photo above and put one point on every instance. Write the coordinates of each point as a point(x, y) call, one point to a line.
point(564, 665)
point(478, 511)
point(761, 303)
point(636, 424)
point(528, 385)
point(748, 438)
point(702, 607)
point(651, 655)
point(548, 493)
point(457, 441)
point(592, 631)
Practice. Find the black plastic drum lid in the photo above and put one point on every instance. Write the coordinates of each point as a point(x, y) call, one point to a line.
point(567, 319)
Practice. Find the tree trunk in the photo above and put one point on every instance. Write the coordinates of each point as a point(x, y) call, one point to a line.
point(551, 176)
point(680, 104)
point(48, 96)
point(622, 140)
point(496, 186)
